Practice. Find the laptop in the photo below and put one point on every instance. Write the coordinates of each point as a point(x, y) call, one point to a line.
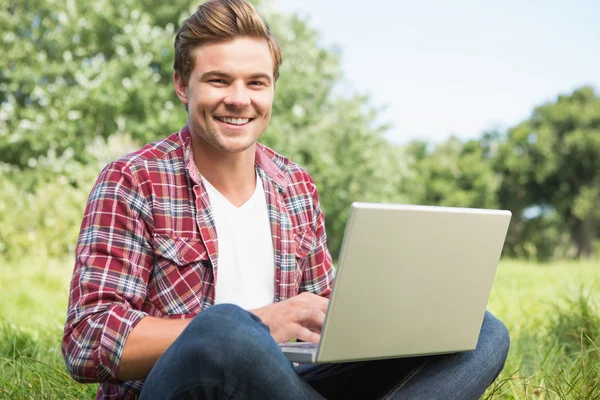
point(411, 281)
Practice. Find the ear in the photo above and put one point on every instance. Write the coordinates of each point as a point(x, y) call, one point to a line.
point(180, 87)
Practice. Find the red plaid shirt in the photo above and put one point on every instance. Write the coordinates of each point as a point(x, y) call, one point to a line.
point(148, 246)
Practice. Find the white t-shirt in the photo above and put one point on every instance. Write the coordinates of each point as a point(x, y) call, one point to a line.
point(245, 265)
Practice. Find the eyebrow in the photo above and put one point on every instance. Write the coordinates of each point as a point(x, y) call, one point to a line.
point(220, 74)
point(261, 75)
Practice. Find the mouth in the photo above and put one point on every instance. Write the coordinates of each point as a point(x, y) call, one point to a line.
point(234, 121)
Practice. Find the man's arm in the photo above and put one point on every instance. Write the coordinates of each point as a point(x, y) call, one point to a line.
point(300, 317)
point(146, 343)
point(114, 259)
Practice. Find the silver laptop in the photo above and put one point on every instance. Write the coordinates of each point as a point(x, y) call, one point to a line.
point(411, 281)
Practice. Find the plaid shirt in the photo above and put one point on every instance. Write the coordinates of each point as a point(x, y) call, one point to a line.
point(148, 246)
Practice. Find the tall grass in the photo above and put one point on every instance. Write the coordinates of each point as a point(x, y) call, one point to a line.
point(31, 366)
point(33, 303)
point(552, 312)
point(554, 320)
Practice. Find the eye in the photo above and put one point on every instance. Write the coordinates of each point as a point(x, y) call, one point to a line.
point(218, 81)
point(257, 83)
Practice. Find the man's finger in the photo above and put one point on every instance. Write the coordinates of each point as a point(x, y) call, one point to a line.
point(314, 318)
point(306, 335)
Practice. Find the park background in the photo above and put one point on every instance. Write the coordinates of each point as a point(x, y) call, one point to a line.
point(469, 105)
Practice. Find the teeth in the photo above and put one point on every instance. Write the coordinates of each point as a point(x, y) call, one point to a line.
point(234, 121)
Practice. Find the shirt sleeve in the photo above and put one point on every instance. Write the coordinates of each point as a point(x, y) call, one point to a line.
point(319, 274)
point(110, 278)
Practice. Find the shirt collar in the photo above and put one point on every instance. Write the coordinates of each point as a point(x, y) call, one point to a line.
point(262, 160)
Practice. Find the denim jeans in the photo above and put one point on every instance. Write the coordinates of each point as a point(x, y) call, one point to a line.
point(228, 353)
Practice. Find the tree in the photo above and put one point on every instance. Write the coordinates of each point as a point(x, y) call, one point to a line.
point(453, 173)
point(551, 162)
point(72, 71)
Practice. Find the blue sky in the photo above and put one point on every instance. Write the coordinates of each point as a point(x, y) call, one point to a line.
point(459, 67)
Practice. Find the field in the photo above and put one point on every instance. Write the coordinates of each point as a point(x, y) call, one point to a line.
point(552, 312)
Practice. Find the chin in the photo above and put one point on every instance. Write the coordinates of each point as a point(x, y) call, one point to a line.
point(235, 146)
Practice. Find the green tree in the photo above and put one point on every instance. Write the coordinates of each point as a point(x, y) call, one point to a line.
point(72, 71)
point(550, 164)
point(453, 173)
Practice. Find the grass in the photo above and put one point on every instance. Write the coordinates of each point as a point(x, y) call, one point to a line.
point(552, 312)
point(553, 318)
point(31, 367)
point(33, 303)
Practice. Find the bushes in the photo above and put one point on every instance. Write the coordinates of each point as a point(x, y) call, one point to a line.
point(39, 216)
point(41, 207)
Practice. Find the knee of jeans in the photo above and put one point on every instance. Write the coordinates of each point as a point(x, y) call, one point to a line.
point(494, 339)
point(220, 316)
point(228, 335)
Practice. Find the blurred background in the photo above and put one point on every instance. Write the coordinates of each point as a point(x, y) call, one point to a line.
point(457, 104)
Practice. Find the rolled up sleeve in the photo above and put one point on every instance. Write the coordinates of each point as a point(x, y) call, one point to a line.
point(110, 278)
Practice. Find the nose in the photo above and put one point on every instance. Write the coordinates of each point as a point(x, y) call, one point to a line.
point(237, 96)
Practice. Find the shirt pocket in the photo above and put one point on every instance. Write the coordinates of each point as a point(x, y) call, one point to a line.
point(304, 243)
point(182, 276)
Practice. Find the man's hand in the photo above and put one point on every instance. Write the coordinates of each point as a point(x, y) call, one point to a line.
point(300, 317)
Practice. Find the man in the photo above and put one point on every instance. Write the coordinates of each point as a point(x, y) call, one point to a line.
point(200, 252)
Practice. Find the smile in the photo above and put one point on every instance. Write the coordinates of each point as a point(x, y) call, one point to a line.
point(234, 121)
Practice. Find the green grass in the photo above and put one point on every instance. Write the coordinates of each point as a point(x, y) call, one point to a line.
point(35, 294)
point(33, 303)
point(553, 318)
point(552, 312)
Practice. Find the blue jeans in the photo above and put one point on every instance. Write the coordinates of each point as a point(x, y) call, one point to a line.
point(226, 352)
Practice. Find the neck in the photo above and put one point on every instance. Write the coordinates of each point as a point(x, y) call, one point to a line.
point(232, 174)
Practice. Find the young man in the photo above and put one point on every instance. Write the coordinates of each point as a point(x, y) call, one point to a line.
point(200, 252)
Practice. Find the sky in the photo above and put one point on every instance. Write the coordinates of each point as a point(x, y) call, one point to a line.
point(459, 67)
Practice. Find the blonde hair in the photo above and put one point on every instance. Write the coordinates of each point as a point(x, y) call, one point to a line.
point(221, 20)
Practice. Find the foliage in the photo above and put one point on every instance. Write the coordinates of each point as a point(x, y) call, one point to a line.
point(41, 209)
point(74, 71)
point(552, 161)
point(453, 174)
point(545, 170)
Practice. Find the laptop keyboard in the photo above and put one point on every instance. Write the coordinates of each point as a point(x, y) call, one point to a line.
point(302, 347)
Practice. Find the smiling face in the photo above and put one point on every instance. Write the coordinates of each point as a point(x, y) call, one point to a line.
point(229, 93)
